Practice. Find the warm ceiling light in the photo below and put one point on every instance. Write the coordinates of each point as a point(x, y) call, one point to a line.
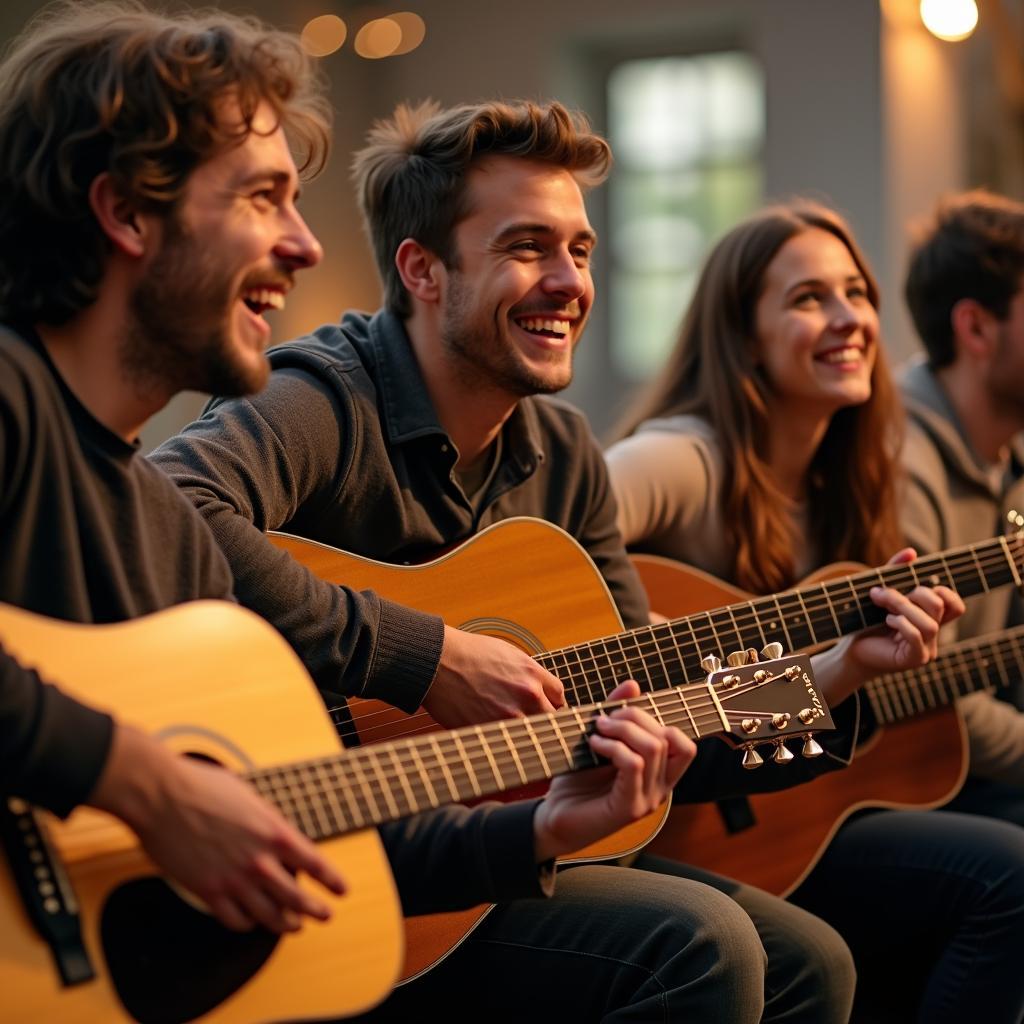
point(378, 38)
point(413, 31)
point(951, 20)
point(323, 35)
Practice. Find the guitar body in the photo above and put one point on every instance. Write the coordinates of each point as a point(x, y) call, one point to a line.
point(214, 680)
point(523, 580)
point(918, 763)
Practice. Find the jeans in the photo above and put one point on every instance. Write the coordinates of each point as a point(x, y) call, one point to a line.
point(655, 942)
point(931, 904)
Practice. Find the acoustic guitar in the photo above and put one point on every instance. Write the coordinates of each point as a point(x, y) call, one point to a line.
point(529, 583)
point(92, 934)
point(914, 757)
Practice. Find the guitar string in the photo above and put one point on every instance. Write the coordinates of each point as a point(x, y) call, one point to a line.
point(576, 678)
point(901, 695)
point(534, 753)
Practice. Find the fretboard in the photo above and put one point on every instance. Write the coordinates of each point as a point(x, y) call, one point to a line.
point(978, 664)
point(382, 782)
point(670, 653)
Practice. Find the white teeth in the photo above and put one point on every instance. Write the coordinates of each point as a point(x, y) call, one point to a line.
point(267, 297)
point(553, 326)
point(842, 355)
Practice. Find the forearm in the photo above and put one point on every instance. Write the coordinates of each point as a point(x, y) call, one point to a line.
point(458, 857)
point(52, 748)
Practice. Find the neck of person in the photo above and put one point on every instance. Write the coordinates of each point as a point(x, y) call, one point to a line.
point(88, 353)
point(792, 443)
point(471, 409)
point(988, 423)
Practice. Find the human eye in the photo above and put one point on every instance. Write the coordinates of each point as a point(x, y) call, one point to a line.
point(857, 291)
point(806, 298)
point(582, 253)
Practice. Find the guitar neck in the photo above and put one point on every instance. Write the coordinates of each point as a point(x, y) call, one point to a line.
point(965, 668)
point(670, 653)
point(374, 784)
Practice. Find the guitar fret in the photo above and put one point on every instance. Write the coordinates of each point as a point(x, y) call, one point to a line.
point(411, 803)
point(443, 767)
point(561, 739)
point(486, 747)
point(540, 753)
point(327, 786)
point(424, 775)
point(381, 779)
point(470, 773)
point(364, 788)
point(524, 778)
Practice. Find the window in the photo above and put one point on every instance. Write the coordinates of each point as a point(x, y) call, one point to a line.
point(687, 135)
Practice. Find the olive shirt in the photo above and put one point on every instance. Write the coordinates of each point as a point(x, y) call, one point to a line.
point(952, 497)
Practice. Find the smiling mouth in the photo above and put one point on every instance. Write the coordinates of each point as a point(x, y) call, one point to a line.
point(841, 356)
point(259, 300)
point(545, 327)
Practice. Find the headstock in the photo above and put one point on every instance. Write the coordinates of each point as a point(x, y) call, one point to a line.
point(766, 698)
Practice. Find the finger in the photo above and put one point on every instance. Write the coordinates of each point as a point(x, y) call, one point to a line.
point(626, 690)
point(627, 788)
point(266, 910)
point(299, 854)
point(922, 606)
point(902, 556)
point(554, 691)
point(644, 736)
point(283, 888)
point(953, 603)
point(680, 752)
point(230, 914)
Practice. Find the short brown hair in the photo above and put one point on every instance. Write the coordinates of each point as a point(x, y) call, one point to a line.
point(411, 177)
point(114, 87)
point(972, 248)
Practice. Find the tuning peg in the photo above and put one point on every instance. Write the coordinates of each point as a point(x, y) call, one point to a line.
point(751, 758)
point(711, 663)
point(782, 755)
point(736, 659)
point(811, 747)
point(772, 651)
point(1015, 519)
point(752, 655)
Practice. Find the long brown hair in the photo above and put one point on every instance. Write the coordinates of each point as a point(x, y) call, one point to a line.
point(713, 373)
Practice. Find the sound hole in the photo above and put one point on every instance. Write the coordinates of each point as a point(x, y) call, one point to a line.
point(170, 962)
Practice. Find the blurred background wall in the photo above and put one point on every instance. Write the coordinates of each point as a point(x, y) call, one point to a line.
point(712, 106)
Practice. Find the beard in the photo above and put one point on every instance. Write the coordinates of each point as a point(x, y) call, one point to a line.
point(483, 357)
point(180, 331)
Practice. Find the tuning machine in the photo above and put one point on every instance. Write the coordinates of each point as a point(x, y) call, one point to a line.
point(811, 747)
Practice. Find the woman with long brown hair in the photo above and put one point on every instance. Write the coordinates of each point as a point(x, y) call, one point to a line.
point(766, 449)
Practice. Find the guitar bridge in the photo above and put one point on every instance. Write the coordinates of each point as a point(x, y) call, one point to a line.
point(45, 890)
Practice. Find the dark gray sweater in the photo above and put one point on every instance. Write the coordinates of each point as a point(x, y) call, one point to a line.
point(89, 532)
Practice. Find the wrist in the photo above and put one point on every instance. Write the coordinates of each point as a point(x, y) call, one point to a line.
point(837, 672)
point(132, 782)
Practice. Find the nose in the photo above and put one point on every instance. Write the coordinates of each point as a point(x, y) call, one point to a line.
point(298, 246)
point(845, 317)
point(563, 276)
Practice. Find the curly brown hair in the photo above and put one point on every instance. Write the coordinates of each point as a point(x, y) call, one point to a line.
point(114, 87)
point(411, 176)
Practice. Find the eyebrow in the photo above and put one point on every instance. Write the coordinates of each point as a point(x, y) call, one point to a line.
point(587, 235)
point(274, 174)
point(818, 281)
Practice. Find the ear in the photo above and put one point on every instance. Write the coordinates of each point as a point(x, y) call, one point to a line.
point(974, 329)
point(421, 270)
point(121, 222)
